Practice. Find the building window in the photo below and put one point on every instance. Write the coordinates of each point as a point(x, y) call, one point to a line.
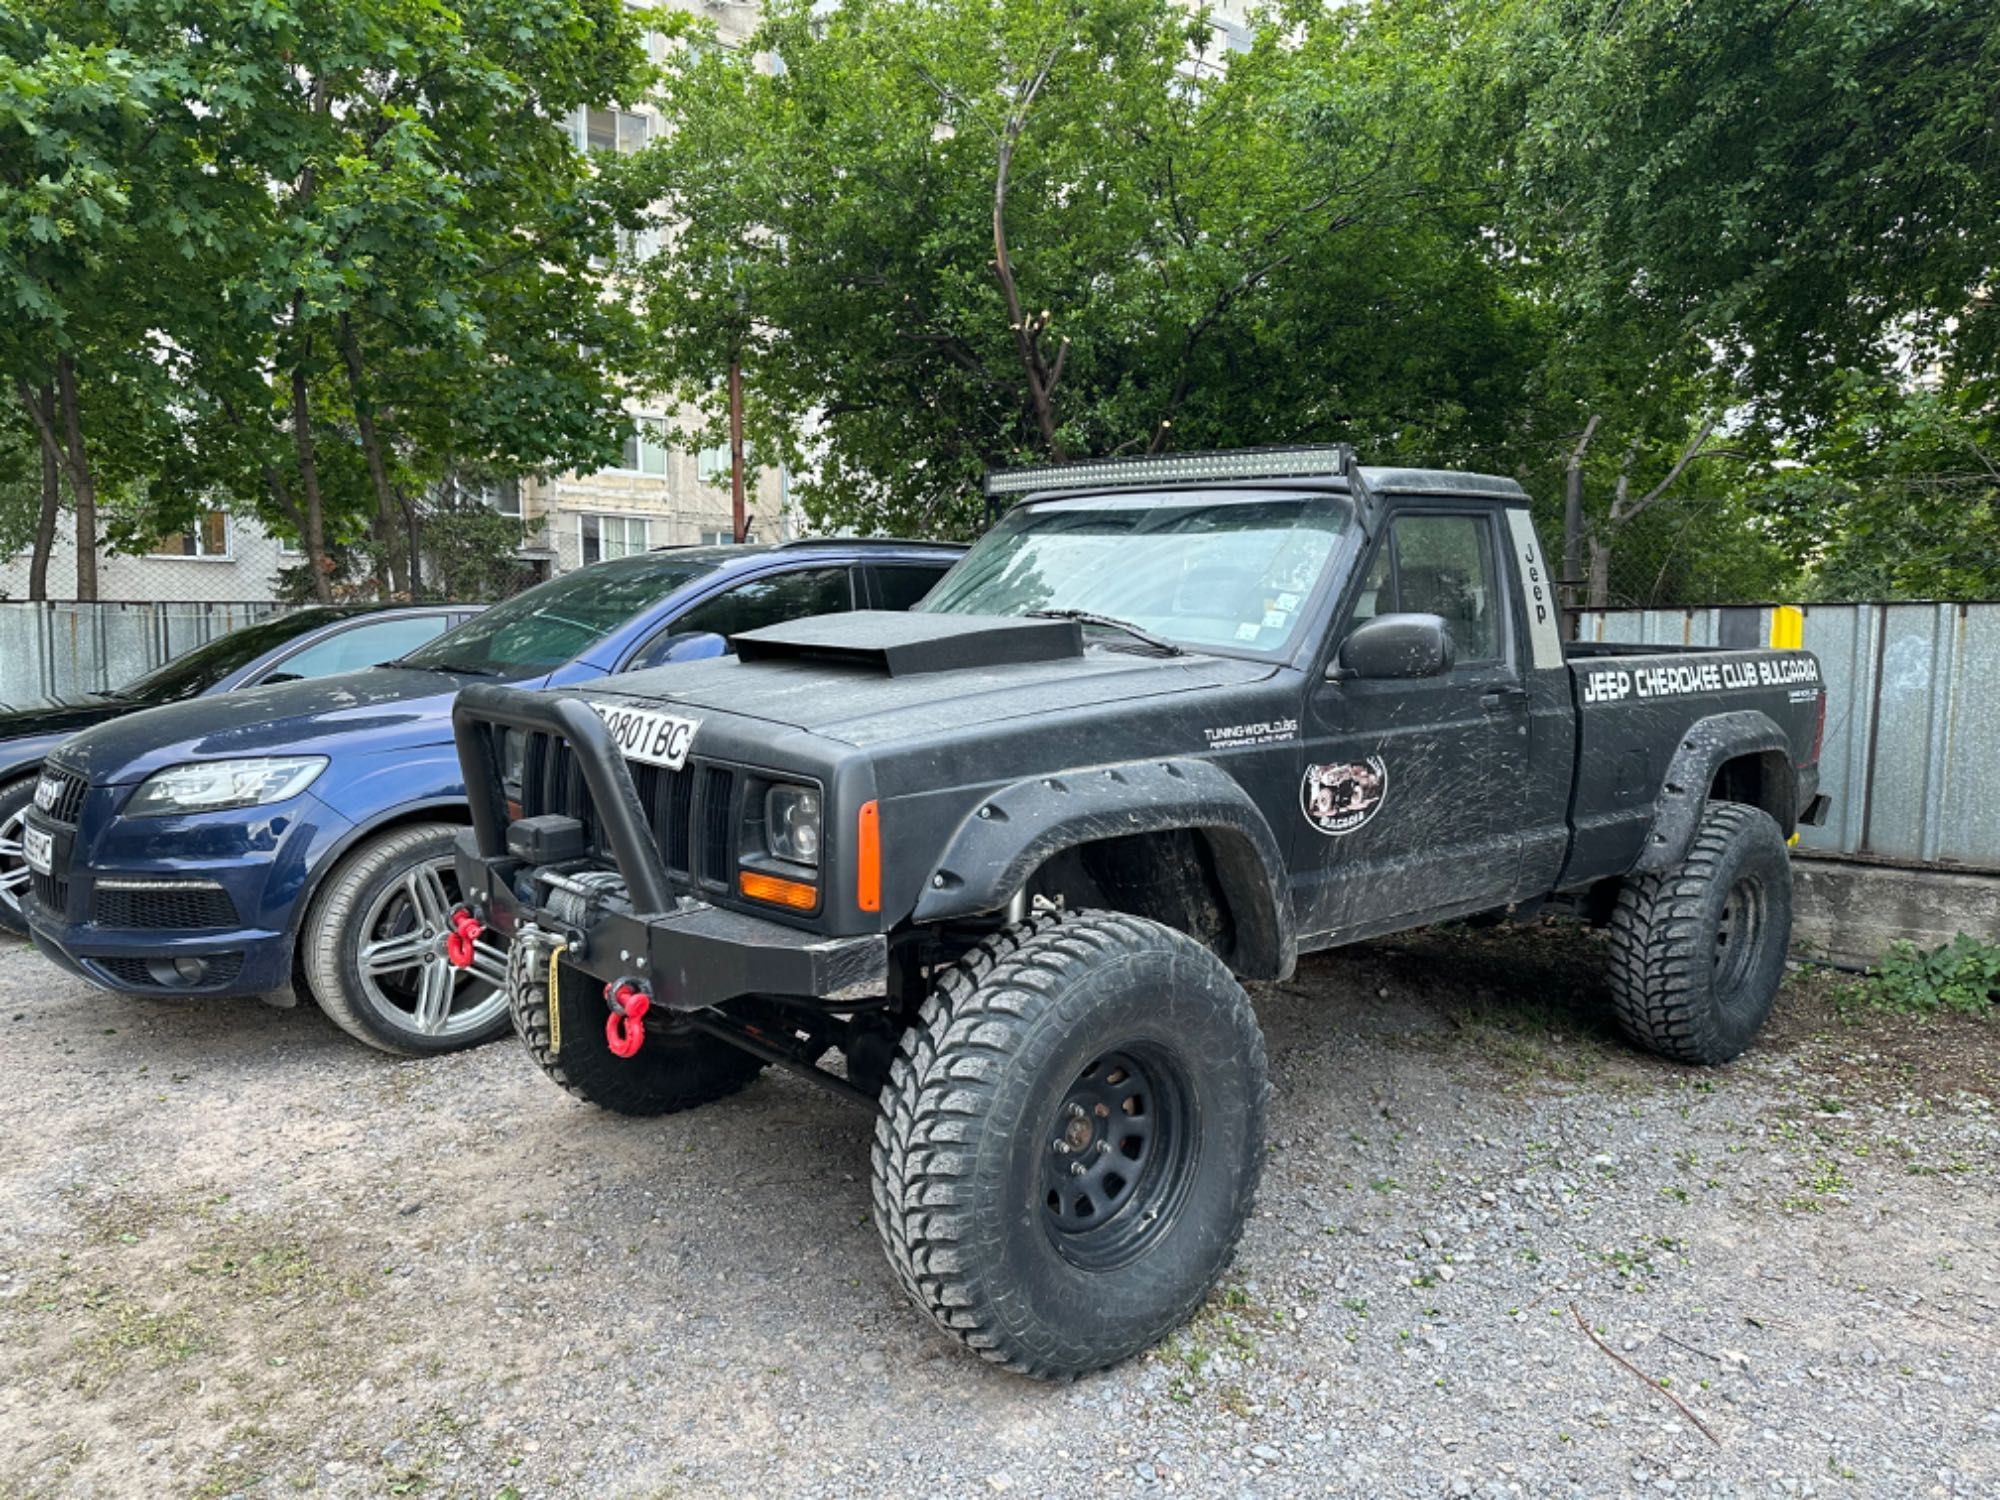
point(711, 465)
point(208, 538)
point(719, 538)
point(645, 450)
point(603, 537)
point(501, 495)
point(615, 130)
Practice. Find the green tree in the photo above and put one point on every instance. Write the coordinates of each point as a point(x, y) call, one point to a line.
point(1720, 208)
point(1898, 497)
point(306, 253)
point(945, 236)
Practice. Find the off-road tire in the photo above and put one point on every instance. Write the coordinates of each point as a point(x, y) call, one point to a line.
point(330, 942)
point(672, 1071)
point(15, 798)
point(1698, 949)
point(962, 1143)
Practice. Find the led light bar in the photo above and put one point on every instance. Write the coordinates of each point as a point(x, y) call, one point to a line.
point(1308, 461)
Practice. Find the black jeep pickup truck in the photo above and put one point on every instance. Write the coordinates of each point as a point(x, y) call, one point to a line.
point(1171, 723)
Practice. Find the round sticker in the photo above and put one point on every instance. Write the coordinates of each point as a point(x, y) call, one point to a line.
point(1338, 799)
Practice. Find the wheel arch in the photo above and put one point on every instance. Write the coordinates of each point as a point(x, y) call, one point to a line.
point(1133, 821)
point(432, 810)
point(1745, 757)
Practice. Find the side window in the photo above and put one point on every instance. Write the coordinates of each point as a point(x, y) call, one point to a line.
point(901, 585)
point(358, 647)
point(1438, 565)
point(761, 601)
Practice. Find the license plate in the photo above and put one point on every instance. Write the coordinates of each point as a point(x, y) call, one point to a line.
point(646, 734)
point(38, 848)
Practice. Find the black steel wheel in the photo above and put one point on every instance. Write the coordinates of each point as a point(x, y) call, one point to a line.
point(1120, 1150)
point(1070, 1140)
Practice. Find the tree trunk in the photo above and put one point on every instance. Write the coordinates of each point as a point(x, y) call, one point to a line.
point(1600, 573)
point(1572, 550)
point(45, 521)
point(413, 532)
point(1040, 374)
point(387, 511)
point(82, 486)
point(315, 512)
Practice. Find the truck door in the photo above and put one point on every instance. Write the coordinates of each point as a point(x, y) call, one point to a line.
point(1407, 801)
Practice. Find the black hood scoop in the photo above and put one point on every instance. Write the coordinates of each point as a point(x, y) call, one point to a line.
point(910, 645)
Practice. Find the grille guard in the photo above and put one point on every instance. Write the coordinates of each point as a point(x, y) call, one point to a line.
point(481, 707)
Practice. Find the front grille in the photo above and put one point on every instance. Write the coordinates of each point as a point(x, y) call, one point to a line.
point(691, 812)
point(158, 973)
point(174, 906)
point(51, 893)
point(60, 793)
point(718, 821)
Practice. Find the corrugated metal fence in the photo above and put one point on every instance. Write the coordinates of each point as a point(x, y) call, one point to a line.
point(1912, 751)
point(57, 649)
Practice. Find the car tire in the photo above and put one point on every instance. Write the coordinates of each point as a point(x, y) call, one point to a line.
point(1022, 1204)
point(673, 1070)
point(16, 797)
point(1698, 949)
point(373, 945)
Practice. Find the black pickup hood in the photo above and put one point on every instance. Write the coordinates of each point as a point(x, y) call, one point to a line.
point(909, 645)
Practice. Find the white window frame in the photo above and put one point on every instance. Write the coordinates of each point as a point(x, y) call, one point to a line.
point(227, 554)
point(624, 523)
point(579, 127)
point(644, 424)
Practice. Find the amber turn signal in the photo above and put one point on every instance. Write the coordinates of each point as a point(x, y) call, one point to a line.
point(779, 892)
point(868, 860)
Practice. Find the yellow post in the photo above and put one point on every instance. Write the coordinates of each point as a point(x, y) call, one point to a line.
point(1788, 628)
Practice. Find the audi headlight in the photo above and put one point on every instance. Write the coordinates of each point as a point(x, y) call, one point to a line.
point(216, 785)
point(791, 823)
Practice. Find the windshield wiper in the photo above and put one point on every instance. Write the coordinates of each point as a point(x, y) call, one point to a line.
point(1109, 622)
point(442, 666)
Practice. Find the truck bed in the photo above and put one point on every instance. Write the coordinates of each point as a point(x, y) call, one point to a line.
point(1636, 712)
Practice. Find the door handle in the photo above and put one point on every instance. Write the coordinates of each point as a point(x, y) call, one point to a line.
point(1499, 698)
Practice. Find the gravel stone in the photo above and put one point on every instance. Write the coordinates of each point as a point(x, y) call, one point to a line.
point(241, 1255)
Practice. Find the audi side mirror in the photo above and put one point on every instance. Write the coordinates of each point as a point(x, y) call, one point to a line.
point(1396, 646)
point(697, 645)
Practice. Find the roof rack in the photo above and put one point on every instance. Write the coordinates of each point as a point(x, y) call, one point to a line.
point(1300, 461)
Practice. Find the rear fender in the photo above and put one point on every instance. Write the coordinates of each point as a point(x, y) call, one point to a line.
point(1710, 744)
point(1015, 831)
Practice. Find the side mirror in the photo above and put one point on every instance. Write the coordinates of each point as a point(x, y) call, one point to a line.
point(1393, 646)
point(691, 645)
point(696, 645)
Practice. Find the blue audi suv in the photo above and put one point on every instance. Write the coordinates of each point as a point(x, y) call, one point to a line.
point(302, 834)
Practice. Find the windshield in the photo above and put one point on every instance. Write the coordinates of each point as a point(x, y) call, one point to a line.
point(1198, 570)
point(194, 672)
point(557, 621)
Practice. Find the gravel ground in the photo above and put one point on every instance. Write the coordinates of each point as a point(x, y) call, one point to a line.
point(239, 1254)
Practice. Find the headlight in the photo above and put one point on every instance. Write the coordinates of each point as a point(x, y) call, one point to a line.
point(791, 823)
point(213, 785)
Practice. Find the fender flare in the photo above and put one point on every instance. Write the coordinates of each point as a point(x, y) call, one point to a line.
point(1705, 748)
point(1012, 832)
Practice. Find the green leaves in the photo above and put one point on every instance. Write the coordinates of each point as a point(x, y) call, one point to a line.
point(1208, 246)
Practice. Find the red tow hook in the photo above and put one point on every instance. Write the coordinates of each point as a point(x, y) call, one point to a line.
point(625, 1027)
point(458, 943)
